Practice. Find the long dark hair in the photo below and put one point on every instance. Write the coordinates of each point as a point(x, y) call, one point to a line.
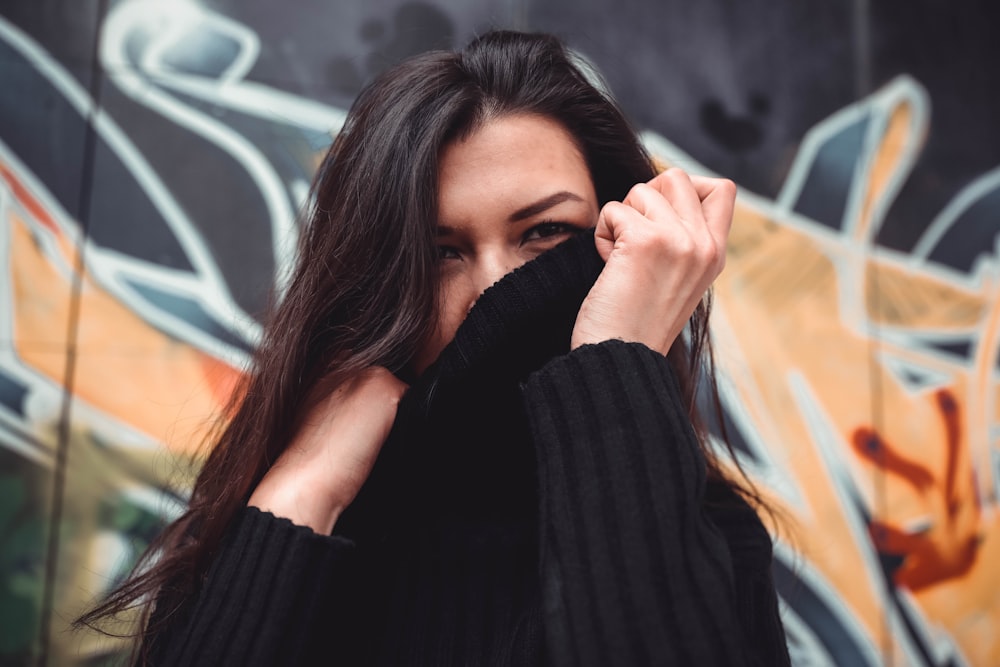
point(373, 217)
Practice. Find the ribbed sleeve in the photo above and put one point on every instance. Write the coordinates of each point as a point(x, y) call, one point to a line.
point(530, 506)
point(756, 600)
point(633, 572)
point(270, 590)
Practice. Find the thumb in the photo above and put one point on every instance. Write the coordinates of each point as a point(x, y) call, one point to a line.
point(718, 201)
point(609, 225)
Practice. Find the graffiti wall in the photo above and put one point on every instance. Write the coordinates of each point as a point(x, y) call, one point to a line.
point(153, 155)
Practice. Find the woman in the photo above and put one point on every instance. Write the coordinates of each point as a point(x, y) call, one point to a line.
point(540, 492)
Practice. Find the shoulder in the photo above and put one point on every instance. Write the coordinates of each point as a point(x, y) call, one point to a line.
point(740, 524)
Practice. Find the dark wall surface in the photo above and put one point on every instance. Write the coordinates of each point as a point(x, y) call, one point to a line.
point(153, 156)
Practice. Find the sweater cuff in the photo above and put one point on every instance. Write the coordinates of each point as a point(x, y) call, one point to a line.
point(613, 439)
point(269, 586)
point(620, 393)
point(632, 570)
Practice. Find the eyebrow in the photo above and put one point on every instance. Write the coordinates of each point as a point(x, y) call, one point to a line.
point(537, 207)
point(544, 204)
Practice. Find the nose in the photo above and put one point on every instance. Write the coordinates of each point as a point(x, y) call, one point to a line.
point(494, 265)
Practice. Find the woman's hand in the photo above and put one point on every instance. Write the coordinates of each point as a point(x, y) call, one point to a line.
point(333, 452)
point(663, 246)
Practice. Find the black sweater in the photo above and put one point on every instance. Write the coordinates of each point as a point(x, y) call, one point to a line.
point(531, 506)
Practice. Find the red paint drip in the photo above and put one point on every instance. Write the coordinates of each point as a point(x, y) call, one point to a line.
point(27, 200)
point(870, 446)
point(953, 432)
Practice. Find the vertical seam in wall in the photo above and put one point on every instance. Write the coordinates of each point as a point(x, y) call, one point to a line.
point(861, 29)
point(862, 47)
point(76, 288)
point(519, 15)
point(878, 423)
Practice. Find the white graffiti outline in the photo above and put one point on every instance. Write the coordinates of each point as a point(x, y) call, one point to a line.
point(831, 597)
point(11, 426)
point(145, 84)
point(738, 390)
point(965, 199)
point(842, 470)
point(44, 394)
point(849, 250)
point(212, 293)
point(900, 349)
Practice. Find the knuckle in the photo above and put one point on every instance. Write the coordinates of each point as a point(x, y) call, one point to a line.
point(684, 245)
point(714, 260)
point(675, 179)
point(617, 206)
point(638, 192)
point(662, 182)
point(677, 174)
point(727, 186)
point(704, 255)
point(709, 251)
point(696, 251)
point(717, 259)
point(658, 243)
point(614, 211)
point(647, 240)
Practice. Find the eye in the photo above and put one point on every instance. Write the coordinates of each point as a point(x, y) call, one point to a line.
point(547, 229)
point(447, 252)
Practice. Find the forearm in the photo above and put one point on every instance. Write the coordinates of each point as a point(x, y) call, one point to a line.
point(322, 469)
point(271, 589)
point(297, 500)
point(633, 572)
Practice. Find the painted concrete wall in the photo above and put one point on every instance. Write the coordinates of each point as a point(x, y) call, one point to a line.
point(153, 154)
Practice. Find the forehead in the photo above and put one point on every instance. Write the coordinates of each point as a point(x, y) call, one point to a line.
point(507, 163)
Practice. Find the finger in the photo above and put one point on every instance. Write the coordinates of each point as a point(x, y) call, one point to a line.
point(704, 185)
point(614, 218)
point(650, 203)
point(677, 188)
point(718, 202)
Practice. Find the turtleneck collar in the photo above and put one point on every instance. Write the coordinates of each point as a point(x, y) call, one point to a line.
point(459, 446)
point(524, 319)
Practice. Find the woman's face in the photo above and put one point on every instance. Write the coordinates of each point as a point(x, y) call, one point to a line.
point(508, 192)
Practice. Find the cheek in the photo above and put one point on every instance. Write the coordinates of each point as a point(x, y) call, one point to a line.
point(457, 297)
point(455, 301)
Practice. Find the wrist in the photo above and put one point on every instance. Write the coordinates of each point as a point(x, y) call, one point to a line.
point(298, 499)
